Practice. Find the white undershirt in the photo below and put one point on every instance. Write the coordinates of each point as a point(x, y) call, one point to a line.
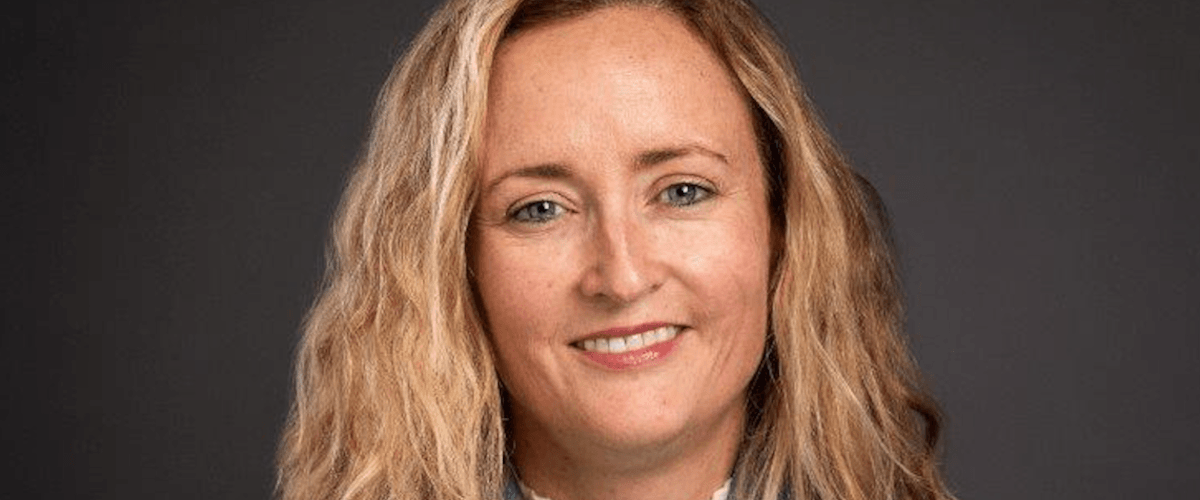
point(529, 494)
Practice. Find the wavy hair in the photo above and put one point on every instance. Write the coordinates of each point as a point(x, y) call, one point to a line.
point(396, 392)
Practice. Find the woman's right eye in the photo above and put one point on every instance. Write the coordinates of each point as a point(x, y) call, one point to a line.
point(537, 212)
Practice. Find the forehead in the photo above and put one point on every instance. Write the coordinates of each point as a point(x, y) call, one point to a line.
point(638, 72)
point(629, 32)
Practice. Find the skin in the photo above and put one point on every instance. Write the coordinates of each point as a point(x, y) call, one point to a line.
point(621, 185)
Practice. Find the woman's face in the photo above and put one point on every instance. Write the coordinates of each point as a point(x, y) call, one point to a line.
point(621, 243)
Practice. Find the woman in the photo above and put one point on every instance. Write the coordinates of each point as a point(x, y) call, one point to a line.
point(606, 250)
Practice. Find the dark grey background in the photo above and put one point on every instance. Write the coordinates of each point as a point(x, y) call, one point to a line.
point(169, 170)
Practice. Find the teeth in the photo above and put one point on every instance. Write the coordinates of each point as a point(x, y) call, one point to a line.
point(617, 345)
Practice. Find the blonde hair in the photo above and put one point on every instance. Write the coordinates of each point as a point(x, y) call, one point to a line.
point(396, 391)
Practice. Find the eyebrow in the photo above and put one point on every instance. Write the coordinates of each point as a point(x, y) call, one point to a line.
point(644, 159)
point(542, 171)
point(657, 156)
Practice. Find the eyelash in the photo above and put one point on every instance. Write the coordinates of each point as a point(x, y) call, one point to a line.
point(525, 213)
point(699, 193)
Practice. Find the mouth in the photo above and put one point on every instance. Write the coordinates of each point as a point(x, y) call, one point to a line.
point(618, 341)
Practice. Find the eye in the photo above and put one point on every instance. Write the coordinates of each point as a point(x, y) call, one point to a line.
point(537, 212)
point(684, 194)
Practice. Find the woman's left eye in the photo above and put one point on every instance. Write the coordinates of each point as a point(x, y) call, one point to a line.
point(684, 194)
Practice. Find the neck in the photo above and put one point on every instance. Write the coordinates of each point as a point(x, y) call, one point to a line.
point(690, 466)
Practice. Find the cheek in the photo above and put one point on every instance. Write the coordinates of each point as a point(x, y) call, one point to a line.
point(516, 283)
point(737, 292)
point(730, 274)
point(732, 266)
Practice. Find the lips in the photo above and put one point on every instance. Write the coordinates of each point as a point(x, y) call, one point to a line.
point(623, 348)
point(631, 342)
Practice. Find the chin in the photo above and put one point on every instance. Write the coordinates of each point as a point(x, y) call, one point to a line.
point(636, 432)
point(645, 425)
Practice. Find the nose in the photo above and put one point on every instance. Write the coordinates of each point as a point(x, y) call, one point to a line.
point(624, 267)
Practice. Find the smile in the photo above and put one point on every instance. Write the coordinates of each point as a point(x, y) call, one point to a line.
point(618, 345)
